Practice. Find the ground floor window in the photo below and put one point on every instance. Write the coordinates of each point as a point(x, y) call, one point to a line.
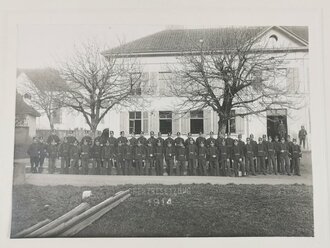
point(135, 122)
point(231, 124)
point(277, 122)
point(196, 121)
point(165, 121)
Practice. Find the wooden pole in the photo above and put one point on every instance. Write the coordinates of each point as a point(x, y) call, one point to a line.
point(31, 229)
point(76, 211)
point(76, 219)
point(88, 221)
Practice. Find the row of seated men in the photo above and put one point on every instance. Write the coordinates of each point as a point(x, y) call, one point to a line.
point(222, 156)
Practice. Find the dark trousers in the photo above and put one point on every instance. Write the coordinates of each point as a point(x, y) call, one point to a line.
point(302, 141)
point(214, 166)
point(285, 164)
point(84, 166)
point(236, 164)
point(41, 163)
point(261, 164)
point(296, 166)
point(51, 165)
point(128, 167)
point(191, 166)
point(225, 166)
point(249, 163)
point(138, 167)
point(108, 164)
point(159, 166)
point(272, 166)
point(169, 166)
point(74, 166)
point(34, 161)
point(97, 163)
point(180, 167)
point(202, 169)
point(65, 163)
point(148, 166)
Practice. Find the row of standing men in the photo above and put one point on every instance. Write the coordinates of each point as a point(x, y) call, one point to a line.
point(221, 156)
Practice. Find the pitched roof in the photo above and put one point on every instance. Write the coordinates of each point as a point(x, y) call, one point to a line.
point(44, 78)
point(179, 40)
point(22, 108)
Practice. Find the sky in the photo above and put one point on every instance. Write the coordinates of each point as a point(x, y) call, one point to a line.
point(42, 45)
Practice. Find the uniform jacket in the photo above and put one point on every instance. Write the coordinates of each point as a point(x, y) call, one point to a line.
point(153, 140)
point(284, 149)
point(121, 151)
point(150, 152)
point(295, 151)
point(169, 139)
point(140, 152)
point(208, 141)
point(143, 140)
point(129, 152)
point(169, 152)
point(52, 151)
point(191, 151)
point(270, 148)
point(121, 139)
point(212, 153)
point(261, 150)
point(53, 137)
point(113, 141)
point(64, 149)
point(159, 151)
point(187, 141)
point(74, 152)
point(236, 152)
point(180, 153)
point(199, 140)
point(202, 152)
point(177, 140)
point(223, 152)
point(88, 138)
point(302, 133)
point(97, 152)
point(108, 152)
point(133, 141)
point(43, 147)
point(85, 151)
point(249, 150)
point(161, 140)
point(33, 150)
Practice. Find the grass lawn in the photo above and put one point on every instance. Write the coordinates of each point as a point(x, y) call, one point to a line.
point(193, 210)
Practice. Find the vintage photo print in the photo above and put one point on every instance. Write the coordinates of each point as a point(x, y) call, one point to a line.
point(168, 129)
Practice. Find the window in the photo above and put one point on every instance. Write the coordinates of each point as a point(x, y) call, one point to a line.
point(164, 82)
point(57, 116)
point(136, 80)
point(165, 121)
point(196, 121)
point(231, 124)
point(134, 122)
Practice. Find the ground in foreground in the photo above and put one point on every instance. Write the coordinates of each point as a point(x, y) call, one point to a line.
point(177, 210)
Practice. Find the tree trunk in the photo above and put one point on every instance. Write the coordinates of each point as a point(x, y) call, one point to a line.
point(94, 124)
point(222, 126)
point(51, 123)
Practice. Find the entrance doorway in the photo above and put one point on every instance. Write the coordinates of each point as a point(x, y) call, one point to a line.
point(274, 118)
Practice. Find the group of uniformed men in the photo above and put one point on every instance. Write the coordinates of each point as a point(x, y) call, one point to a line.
point(221, 156)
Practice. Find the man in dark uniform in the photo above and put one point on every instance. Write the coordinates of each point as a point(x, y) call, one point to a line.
point(202, 156)
point(250, 157)
point(33, 152)
point(129, 150)
point(87, 137)
point(302, 136)
point(159, 138)
point(224, 158)
point(150, 157)
point(133, 140)
point(277, 154)
point(296, 155)
point(290, 144)
point(210, 139)
point(71, 138)
point(212, 152)
point(219, 140)
point(191, 157)
point(180, 155)
point(237, 158)
point(261, 155)
point(64, 155)
point(122, 139)
point(53, 136)
point(139, 157)
point(271, 153)
point(284, 157)
point(43, 147)
point(241, 145)
point(142, 139)
point(169, 157)
point(74, 158)
point(178, 139)
point(169, 140)
point(254, 144)
point(152, 138)
point(200, 139)
point(121, 157)
point(281, 130)
point(52, 151)
point(159, 157)
point(97, 157)
point(85, 156)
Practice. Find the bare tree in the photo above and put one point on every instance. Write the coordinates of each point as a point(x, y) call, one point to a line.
point(44, 91)
point(98, 84)
point(232, 71)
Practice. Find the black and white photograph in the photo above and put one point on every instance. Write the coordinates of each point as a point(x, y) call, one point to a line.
point(163, 130)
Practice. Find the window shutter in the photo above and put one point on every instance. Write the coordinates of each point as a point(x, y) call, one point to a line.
point(185, 124)
point(145, 122)
point(207, 121)
point(124, 121)
point(175, 123)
